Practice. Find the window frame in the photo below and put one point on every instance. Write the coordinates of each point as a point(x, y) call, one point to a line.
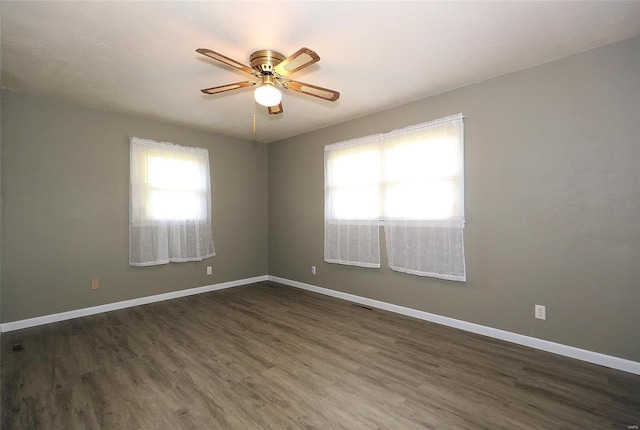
point(145, 188)
point(456, 180)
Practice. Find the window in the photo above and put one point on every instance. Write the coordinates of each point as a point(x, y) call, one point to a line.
point(352, 202)
point(413, 180)
point(173, 185)
point(170, 204)
point(423, 177)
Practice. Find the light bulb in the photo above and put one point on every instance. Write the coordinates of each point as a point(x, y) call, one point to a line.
point(267, 95)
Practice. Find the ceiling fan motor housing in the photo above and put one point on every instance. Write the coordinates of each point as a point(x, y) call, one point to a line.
point(265, 60)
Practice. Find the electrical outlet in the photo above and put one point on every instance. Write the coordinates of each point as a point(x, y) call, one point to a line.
point(209, 270)
point(95, 284)
point(541, 312)
point(313, 270)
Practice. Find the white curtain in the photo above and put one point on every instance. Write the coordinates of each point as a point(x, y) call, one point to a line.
point(170, 204)
point(423, 193)
point(352, 202)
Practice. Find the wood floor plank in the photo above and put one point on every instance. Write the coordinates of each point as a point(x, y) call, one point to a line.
point(268, 356)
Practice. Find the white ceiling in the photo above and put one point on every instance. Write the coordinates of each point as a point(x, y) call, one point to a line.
point(139, 57)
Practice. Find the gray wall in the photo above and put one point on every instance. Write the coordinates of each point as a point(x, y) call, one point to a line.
point(65, 188)
point(552, 204)
point(1, 222)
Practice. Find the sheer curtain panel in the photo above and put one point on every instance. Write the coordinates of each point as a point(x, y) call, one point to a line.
point(352, 202)
point(170, 204)
point(423, 189)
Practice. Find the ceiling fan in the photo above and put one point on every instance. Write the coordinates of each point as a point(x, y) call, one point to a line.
point(272, 69)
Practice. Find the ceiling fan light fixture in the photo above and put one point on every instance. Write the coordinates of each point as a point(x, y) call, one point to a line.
point(267, 95)
point(271, 68)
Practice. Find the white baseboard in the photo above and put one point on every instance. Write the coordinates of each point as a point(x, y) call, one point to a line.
point(544, 345)
point(62, 316)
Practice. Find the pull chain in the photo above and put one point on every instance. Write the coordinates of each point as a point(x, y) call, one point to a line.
point(254, 116)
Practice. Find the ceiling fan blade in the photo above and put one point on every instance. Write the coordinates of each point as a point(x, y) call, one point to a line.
point(226, 60)
point(274, 110)
point(301, 59)
point(312, 90)
point(228, 87)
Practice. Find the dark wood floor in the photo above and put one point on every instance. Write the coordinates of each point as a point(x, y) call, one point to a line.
point(266, 356)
